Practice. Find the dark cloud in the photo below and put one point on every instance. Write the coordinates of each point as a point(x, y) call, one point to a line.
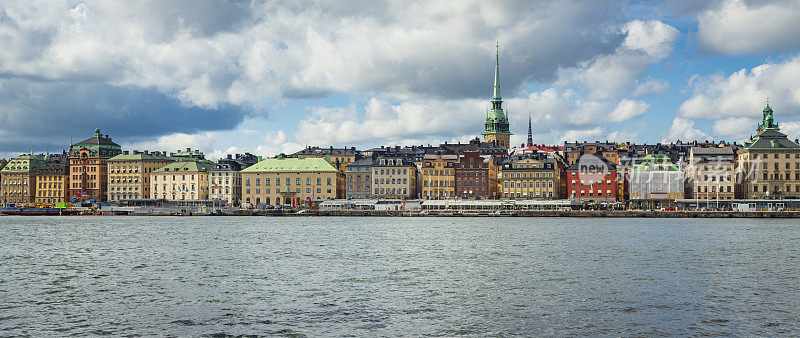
point(45, 115)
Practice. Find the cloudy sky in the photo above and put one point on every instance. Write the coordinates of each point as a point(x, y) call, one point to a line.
point(271, 77)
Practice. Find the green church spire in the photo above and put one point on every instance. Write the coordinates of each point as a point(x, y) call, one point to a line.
point(497, 120)
point(496, 96)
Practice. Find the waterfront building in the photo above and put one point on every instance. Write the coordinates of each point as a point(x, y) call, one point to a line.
point(19, 179)
point(768, 163)
point(359, 179)
point(185, 180)
point(129, 174)
point(288, 181)
point(438, 176)
point(655, 181)
point(225, 178)
point(531, 176)
point(575, 150)
point(710, 173)
point(89, 167)
point(52, 182)
point(592, 179)
point(339, 158)
point(394, 176)
point(475, 176)
point(496, 128)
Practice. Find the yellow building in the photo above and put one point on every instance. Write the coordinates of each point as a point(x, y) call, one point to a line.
point(710, 173)
point(181, 181)
point(19, 179)
point(438, 176)
point(339, 158)
point(769, 163)
point(129, 174)
point(531, 177)
point(52, 183)
point(288, 181)
point(394, 176)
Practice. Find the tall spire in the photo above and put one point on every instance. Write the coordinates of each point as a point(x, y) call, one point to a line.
point(496, 94)
point(530, 131)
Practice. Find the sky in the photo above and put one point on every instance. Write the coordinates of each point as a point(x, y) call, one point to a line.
point(273, 77)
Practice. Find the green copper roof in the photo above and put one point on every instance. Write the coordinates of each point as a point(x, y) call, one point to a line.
point(291, 165)
point(655, 162)
point(496, 120)
point(186, 167)
point(769, 135)
point(139, 157)
point(23, 164)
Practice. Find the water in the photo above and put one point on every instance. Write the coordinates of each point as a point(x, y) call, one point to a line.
point(397, 276)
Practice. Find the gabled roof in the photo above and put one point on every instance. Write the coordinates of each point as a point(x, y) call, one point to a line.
point(284, 164)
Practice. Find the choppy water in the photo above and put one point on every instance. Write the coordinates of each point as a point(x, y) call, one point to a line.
point(397, 276)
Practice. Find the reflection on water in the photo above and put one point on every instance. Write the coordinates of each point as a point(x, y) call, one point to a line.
point(397, 276)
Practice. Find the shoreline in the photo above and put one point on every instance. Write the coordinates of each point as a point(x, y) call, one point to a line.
point(428, 213)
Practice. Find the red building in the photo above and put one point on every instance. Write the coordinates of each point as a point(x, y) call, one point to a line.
point(592, 179)
point(473, 176)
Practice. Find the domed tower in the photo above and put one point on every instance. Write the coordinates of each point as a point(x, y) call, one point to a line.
point(496, 126)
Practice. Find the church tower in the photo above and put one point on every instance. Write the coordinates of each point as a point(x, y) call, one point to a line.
point(496, 126)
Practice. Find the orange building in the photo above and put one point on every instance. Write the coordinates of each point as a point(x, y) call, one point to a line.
point(88, 167)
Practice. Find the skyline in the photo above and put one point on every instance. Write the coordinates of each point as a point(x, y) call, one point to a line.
point(240, 77)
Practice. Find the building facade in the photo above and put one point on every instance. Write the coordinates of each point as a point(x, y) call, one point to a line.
point(769, 163)
point(52, 183)
point(531, 176)
point(339, 158)
point(656, 178)
point(592, 179)
point(225, 178)
point(438, 176)
point(181, 181)
point(359, 179)
point(710, 173)
point(18, 179)
point(496, 128)
point(89, 167)
point(129, 174)
point(288, 181)
point(393, 176)
point(475, 176)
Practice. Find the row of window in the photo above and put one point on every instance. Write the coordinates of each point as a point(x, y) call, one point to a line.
point(529, 175)
point(538, 194)
point(278, 190)
point(288, 181)
point(530, 184)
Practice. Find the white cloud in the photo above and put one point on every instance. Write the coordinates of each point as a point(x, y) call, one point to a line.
point(683, 130)
point(737, 26)
point(743, 93)
point(582, 135)
point(207, 54)
point(647, 42)
point(628, 109)
point(652, 87)
point(737, 127)
point(203, 141)
point(791, 129)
